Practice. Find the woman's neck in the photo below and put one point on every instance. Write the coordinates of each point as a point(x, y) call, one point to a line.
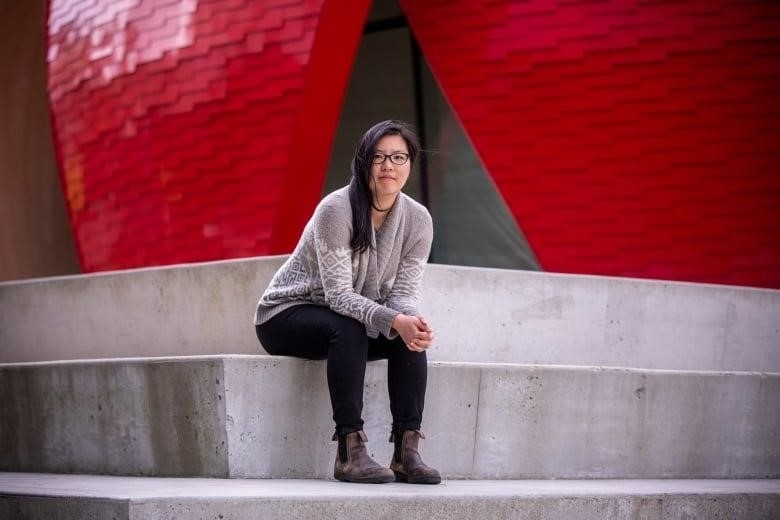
point(385, 203)
point(377, 219)
point(380, 210)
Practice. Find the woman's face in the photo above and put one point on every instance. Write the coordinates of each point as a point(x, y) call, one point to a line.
point(387, 177)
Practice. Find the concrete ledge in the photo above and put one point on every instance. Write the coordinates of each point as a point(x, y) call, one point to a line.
point(259, 416)
point(59, 496)
point(138, 417)
point(480, 315)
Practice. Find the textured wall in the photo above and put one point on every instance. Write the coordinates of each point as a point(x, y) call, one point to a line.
point(634, 138)
point(35, 238)
point(184, 128)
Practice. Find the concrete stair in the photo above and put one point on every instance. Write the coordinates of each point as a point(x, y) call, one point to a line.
point(267, 417)
point(26, 495)
point(480, 315)
point(131, 376)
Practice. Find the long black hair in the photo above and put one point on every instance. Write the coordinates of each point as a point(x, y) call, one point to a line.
point(360, 197)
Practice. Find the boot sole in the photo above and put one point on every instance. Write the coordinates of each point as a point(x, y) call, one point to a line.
point(402, 477)
point(367, 480)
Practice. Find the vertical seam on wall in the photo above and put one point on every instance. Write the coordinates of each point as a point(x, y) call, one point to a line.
point(223, 406)
point(476, 422)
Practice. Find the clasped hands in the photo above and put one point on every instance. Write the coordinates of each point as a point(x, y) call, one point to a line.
point(415, 332)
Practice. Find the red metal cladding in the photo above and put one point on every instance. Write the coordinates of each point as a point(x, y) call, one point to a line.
point(632, 138)
point(177, 121)
point(335, 46)
point(628, 138)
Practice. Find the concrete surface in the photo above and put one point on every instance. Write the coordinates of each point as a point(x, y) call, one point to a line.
point(504, 316)
point(168, 311)
point(139, 417)
point(260, 416)
point(87, 496)
point(480, 315)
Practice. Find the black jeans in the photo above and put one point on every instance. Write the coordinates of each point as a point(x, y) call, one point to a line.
point(316, 332)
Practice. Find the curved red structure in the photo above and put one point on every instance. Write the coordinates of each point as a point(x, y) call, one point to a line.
point(180, 123)
point(627, 138)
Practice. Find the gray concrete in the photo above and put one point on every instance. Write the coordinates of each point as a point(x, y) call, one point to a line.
point(169, 311)
point(137, 417)
point(491, 315)
point(259, 416)
point(54, 496)
point(480, 315)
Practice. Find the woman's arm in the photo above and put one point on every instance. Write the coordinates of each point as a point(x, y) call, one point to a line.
point(334, 258)
point(405, 292)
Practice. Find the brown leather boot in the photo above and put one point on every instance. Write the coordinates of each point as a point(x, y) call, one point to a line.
point(407, 464)
point(353, 463)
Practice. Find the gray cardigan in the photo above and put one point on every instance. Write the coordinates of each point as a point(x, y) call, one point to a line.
point(373, 286)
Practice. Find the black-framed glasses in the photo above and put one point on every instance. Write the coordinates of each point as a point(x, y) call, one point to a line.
point(397, 158)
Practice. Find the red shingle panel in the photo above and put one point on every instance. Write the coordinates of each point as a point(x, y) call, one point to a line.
point(629, 138)
point(175, 121)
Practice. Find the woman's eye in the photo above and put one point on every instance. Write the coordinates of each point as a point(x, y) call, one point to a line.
point(398, 157)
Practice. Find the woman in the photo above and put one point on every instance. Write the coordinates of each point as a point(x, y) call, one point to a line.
point(348, 294)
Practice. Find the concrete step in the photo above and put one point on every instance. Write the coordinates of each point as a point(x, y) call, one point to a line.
point(260, 416)
point(480, 315)
point(61, 497)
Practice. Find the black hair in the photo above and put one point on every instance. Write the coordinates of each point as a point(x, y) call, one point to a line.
point(360, 196)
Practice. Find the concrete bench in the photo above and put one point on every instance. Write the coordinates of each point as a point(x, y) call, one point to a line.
point(480, 315)
point(269, 417)
point(58, 497)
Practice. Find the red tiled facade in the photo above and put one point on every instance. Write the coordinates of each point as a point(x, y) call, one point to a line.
point(633, 138)
point(180, 123)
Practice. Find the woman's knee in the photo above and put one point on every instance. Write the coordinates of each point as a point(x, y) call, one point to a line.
point(399, 348)
point(268, 340)
point(348, 331)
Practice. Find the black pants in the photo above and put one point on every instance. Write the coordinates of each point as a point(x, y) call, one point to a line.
point(315, 332)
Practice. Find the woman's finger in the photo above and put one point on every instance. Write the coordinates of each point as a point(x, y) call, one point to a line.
point(425, 336)
point(421, 344)
point(417, 345)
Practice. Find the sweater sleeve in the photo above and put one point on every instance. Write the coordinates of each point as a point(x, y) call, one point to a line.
point(334, 259)
point(405, 292)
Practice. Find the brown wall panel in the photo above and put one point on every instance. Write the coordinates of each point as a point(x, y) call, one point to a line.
point(35, 236)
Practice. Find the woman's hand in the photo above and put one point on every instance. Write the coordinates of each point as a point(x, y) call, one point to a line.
point(415, 332)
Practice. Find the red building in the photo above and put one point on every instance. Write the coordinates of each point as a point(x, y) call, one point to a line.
point(615, 137)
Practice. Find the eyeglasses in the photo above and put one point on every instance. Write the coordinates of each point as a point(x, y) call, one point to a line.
point(397, 158)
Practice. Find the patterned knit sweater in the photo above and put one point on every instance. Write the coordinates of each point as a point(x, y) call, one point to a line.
point(373, 286)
